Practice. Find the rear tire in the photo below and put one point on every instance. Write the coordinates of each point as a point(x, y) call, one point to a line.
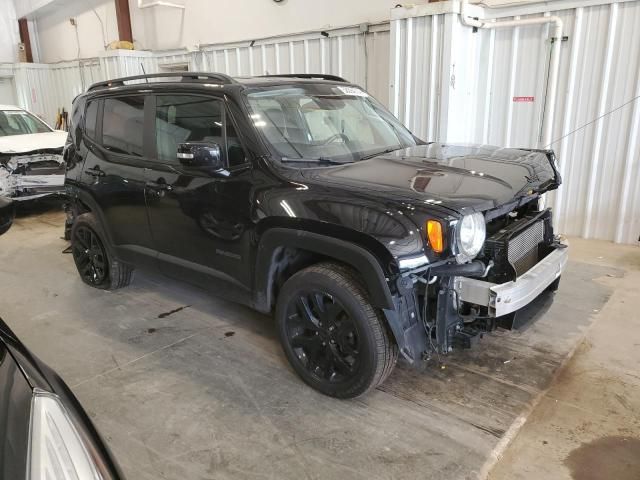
point(331, 334)
point(95, 263)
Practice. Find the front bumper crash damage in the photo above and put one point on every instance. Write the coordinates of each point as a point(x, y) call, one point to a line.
point(31, 175)
point(445, 305)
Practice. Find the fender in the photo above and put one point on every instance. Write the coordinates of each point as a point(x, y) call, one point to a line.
point(75, 193)
point(355, 256)
point(78, 194)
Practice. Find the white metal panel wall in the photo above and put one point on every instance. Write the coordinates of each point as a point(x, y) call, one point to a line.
point(361, 58)
point(416, 64)
point(171, 59)
point(6, 69)
point(349, 53)
point(69, 79)
point(123, 63)
point(44, 89)
point(34, 90)
point(601, 163)
point(480, 74)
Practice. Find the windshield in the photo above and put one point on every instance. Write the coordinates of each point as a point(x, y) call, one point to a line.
point(19, 122)
point(326, 123)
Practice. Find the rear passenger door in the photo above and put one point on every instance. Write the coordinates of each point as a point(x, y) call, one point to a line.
point(199, 222)
point(113, 172)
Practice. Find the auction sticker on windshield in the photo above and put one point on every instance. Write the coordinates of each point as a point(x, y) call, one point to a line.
point(353, 91)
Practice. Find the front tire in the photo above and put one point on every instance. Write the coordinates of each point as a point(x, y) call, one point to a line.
point(331, 334)
point(95, 264)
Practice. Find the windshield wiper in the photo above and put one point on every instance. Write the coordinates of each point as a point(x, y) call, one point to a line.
point(320, 160)
point(388, 150)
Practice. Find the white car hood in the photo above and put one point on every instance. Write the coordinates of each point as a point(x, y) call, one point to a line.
point(34, 141)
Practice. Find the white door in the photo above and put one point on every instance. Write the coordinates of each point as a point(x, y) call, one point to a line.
point(7, 91)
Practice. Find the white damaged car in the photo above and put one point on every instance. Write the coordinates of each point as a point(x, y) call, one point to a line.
point(31, 164)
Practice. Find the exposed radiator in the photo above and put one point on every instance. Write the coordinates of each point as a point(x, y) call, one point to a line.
point(523, 249)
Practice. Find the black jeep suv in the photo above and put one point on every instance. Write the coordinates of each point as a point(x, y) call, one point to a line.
point(301, 195)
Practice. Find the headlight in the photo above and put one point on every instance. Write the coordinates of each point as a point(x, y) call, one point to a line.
point(56, 450)
point(471, 233)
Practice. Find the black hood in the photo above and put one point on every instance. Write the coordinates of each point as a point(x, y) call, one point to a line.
point(458, 177)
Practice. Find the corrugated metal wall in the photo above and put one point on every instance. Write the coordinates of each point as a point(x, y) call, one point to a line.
point(359, 57)
point(450, 83)
point(416, 65)
point(44, 89)
point(349, 53)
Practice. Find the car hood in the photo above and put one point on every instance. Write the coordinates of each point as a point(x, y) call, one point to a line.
point(35, 141)
point(461, 178)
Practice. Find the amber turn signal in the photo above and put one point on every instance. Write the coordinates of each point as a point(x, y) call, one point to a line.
point(434, 234)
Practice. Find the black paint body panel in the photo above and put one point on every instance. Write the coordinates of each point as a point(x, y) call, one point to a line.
point(15, 410)
point(20, 373)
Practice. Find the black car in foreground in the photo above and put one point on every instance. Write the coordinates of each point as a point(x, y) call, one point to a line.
point(301, 195)
point(45, 433)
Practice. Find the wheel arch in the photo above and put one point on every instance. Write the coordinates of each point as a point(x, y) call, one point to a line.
point(283, 242)
point(83, 202)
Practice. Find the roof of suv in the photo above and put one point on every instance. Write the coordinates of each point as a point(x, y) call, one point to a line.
point(9, 107)
point(217, 78)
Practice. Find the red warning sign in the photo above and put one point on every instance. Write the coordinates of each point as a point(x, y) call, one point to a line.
point(523, 99)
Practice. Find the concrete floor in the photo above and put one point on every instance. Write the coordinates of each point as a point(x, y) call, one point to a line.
point(184, 385)
point(587, 425)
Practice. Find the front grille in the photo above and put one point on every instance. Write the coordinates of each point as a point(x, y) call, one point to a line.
point(523, 249)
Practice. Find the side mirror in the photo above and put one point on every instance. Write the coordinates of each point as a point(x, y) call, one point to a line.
point(207, 156)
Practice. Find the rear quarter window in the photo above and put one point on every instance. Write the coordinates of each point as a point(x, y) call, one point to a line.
point(91, 119)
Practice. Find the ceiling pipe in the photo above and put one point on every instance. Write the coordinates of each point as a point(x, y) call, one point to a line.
point(554, 69)
point(159, 3)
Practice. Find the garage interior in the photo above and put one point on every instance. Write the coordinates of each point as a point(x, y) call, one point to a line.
point(183, 384)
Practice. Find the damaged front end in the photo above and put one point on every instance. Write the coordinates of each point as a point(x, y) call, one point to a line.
point(31, 175)
point(447, 304)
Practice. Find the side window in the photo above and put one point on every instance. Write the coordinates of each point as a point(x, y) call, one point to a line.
point(183, 118)
point(123, 125)
point(91, 119)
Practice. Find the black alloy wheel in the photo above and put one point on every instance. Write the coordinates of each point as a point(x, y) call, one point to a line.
point(90, 256)
point(323, 336)
point(95, 263)
point(332, 335)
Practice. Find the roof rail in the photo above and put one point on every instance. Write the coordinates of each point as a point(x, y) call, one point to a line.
point(320, 76)
point(185, 77)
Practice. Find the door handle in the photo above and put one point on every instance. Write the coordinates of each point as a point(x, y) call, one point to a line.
point(94, 172)
point(160, 186)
